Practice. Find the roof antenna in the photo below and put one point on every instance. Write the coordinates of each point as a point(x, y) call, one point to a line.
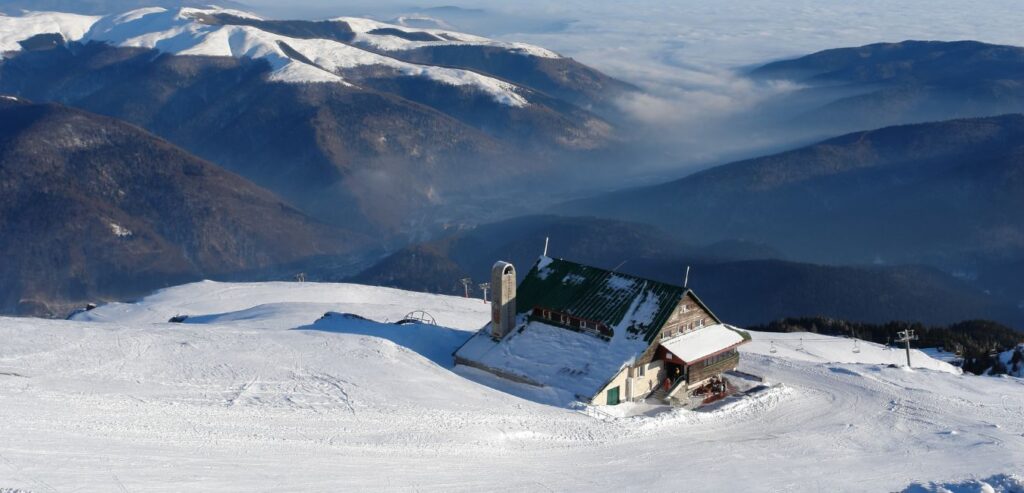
point(546, 238)
point(686, 280)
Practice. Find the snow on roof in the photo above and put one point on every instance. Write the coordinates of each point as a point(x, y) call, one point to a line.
point(702, 343)
point(554, 356)
point(565, 359)
point(622, 302)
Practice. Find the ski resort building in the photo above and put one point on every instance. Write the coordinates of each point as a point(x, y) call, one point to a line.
point(603, 337)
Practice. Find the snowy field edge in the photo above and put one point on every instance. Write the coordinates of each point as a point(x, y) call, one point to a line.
point(258, 390)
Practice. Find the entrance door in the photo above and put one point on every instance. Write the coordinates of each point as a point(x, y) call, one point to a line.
point(613, 396)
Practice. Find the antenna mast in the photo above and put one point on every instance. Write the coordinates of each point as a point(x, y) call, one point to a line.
point(686, 280)
point(546, 238)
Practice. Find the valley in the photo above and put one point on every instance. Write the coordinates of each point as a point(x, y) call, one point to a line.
point(428, 140)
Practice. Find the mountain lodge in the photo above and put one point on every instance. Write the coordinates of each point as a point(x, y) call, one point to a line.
point(602, 336)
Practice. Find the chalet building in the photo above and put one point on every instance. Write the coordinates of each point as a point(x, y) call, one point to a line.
point(601, 337)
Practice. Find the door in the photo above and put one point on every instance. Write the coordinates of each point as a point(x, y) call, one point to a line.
point(613, 396)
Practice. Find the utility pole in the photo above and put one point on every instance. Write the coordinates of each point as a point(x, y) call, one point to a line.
point(484, 287)
point(906, 336)
point(465, 284)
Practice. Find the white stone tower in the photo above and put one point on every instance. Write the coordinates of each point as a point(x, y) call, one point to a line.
point(503, 299)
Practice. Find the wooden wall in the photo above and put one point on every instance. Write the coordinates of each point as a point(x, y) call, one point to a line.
point(687, 316)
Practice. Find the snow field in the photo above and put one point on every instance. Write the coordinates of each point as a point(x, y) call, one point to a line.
point(258, 392)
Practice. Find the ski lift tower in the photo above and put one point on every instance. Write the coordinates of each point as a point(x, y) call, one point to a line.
point(906, 336)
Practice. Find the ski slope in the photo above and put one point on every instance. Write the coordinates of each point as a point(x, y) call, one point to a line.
point(259, 391)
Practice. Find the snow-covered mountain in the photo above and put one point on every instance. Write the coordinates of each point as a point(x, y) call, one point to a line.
point(339, 116)
point(297, 59)
point(258, 389)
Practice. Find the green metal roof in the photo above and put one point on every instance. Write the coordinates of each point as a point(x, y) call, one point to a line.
point(596, 294)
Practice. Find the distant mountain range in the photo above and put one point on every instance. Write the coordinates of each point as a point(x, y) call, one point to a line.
point(947, 194)
point(362, 124)
point(884, 84)
point(103, 6)
point(745, 283)
point(92, 208)
point(381, 134)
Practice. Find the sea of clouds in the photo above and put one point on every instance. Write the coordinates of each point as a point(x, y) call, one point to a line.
point(690, 56)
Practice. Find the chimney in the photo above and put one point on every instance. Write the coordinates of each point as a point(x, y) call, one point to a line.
point(503, 299)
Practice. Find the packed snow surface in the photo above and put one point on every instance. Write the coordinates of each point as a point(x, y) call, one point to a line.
point(259, 391)
point(699, 343)
point(183, 32)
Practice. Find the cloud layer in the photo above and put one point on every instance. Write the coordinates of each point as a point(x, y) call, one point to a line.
point(689, 55)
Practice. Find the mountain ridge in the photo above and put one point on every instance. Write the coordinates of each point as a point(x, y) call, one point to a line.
point(882, 192)
point(94, 208)
point(368, 141)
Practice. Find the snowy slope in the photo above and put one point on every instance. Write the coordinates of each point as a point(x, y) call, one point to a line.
point(1013, 361)
point(816, 348)
point(373, 33)
point(183, 32)
point(237, 401)
point(19, 28)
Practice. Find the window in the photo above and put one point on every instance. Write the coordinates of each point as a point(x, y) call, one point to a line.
point(547, 314)
point(640, 370)
point(564, 319)
point(583, 324)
